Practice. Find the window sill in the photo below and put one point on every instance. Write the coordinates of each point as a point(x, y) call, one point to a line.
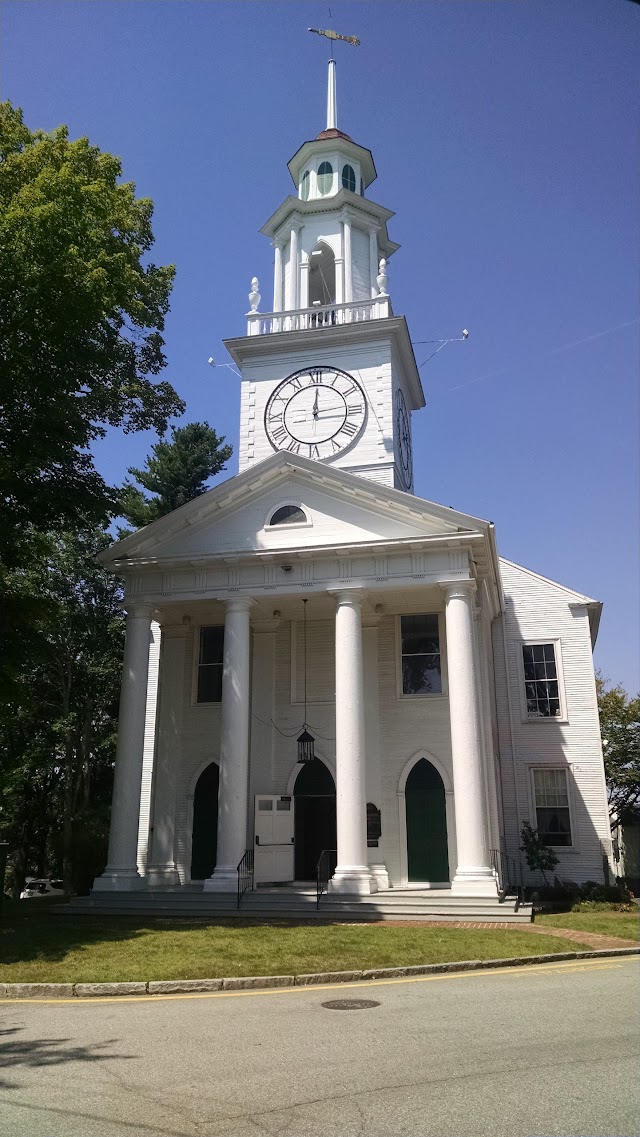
point(401, 697)
point(542, 719)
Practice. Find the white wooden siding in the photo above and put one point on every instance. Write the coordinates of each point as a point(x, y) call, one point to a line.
point(537, 610)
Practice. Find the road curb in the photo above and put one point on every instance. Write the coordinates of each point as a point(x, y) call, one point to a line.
point(263, 982)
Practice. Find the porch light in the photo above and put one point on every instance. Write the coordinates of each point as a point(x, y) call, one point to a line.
point(306, 747)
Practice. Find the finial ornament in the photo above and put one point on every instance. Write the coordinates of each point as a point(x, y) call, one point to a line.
point(382, 279)
point(254, 295)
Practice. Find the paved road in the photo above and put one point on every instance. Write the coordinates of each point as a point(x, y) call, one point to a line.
point(515, 1053)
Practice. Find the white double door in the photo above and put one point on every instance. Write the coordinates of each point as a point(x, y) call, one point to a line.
point(273, 841)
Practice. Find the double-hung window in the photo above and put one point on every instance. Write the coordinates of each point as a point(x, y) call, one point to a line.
point(210, 665)
point(542, 692)
point(551, 794)
point(421, 664)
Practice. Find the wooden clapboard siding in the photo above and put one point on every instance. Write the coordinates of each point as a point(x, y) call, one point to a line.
point(536, 609)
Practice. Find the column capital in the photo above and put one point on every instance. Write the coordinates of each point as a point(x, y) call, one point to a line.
point(458, 589)
point(138, 609)
point(353, 596)
point(238, 603)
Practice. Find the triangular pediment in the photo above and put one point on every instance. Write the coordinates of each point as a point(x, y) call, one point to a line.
point(341, 510)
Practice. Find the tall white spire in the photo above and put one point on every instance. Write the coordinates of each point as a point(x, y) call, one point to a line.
point(332, 107)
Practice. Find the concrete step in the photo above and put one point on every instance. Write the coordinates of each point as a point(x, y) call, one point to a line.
point(296, 904)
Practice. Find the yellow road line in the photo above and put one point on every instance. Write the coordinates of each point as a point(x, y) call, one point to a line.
point(523, 969)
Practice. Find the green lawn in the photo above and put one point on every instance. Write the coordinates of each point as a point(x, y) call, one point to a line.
point(605, 923)
point(41, 946)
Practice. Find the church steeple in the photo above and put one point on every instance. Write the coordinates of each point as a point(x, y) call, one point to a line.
point(329, 372)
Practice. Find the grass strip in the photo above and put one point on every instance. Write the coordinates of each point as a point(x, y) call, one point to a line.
point(43, 947)
point(623, 924)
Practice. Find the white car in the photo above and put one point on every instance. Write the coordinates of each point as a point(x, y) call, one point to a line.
point(36, 886)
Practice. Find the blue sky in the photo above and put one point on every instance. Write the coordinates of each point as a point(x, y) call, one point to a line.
point(505, 136)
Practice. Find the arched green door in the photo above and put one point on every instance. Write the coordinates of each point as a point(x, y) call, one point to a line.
point(204, 844)
point(427, 854)
point(315, 817)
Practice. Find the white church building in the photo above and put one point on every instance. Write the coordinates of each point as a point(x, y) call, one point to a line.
point(445, 695)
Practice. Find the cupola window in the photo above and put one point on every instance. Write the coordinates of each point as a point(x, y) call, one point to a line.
point(349, 178)
point(325, 177)
point(305, 186)
point(288, 515)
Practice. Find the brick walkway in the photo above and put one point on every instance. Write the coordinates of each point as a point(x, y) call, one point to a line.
point(588, 939)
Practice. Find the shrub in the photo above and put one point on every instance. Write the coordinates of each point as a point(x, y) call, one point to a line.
point(540, 857)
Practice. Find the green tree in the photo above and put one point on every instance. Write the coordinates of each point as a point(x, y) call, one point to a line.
point(539, 856)
point(620, 731)
point(175, 472)
point(58, 723)
point(81, 316)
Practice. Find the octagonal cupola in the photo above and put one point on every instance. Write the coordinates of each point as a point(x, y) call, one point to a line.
point(329, 238)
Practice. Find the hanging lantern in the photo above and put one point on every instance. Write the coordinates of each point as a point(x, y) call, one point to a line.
point(306, 747)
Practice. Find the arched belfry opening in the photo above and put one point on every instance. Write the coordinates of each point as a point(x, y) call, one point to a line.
point(322, 276)
point(204, 843)
point(315, 817)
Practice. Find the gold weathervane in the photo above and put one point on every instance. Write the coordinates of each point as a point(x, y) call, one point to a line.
point(330, 34)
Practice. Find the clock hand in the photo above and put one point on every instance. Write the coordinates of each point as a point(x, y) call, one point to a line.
point(315, 405)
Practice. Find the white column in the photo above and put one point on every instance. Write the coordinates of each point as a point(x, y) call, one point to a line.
point(474, 874)
point(352, 874)
point(348, 274)
point(373, 260)
point(375, 857)
point(304, 281)
point(340, 281)
point(121, 873)
point(234, 748)
point(294, 270)
point(278, 301)
point(161, 867)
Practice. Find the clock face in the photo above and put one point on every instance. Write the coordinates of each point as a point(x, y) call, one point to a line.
point(317, 412)
point(403, 433)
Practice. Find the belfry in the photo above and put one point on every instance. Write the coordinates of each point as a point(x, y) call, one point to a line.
point(448, 694)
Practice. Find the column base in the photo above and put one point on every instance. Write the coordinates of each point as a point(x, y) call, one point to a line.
point(118, 882)
point(162, 876)
point(380, 876)
point(222, 880)
point(353, 880)
point(474, 882)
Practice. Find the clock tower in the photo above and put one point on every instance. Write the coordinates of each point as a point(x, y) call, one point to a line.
point(329, 373)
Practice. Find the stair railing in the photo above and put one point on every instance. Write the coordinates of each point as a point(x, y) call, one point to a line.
point(509, 874)
point(324, 871)
point(245, 874)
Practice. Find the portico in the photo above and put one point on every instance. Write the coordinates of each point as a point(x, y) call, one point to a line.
point(355, 615)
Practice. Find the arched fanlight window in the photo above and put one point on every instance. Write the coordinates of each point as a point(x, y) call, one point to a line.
point(325, 177)
point(304, 189)
point(288, 515)
point(349, 178)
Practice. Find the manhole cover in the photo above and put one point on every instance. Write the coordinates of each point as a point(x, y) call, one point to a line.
point(350, 1004)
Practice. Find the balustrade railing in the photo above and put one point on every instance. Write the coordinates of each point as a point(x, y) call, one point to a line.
point(245, 874)
point(509, 873)
point(324, 871)
point(318, 316)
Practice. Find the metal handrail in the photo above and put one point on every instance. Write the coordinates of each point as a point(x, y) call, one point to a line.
point(509, 873)
point(245, 874)
point(325, 869)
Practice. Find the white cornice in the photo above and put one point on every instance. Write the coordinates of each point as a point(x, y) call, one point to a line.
point(294, 211)
point(244, 349)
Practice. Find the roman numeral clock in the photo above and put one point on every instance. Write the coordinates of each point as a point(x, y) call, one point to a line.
point(317, 412)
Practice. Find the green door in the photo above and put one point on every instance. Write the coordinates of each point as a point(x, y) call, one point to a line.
point(427, 855)
point(205, 824)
